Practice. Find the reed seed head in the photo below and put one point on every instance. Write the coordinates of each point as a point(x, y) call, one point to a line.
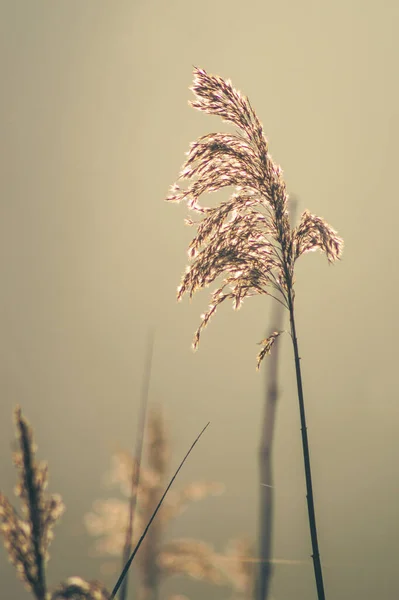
point(28, 535)
point(247, 240)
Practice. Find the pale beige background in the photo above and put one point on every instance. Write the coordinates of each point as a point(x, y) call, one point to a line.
point(94, 125)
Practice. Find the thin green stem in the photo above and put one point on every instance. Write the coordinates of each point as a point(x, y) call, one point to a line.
point(306, 457)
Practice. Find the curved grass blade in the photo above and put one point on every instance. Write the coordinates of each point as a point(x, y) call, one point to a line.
point(129, 562)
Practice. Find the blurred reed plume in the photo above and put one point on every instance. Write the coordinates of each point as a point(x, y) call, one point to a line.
point(238, 564)
point(28, 536)
point(77, 588)
point(156, 559)
point(247, 239)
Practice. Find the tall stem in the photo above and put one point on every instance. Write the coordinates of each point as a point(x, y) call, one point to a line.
point(305, 445)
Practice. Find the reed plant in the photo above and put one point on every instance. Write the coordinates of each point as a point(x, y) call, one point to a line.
point(248, 239)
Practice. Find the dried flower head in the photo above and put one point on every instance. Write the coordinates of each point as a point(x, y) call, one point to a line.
point(28, 536)
point(247, 239)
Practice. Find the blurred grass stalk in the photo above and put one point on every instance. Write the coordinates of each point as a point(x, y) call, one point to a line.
point(266, 499)
point(136, 466)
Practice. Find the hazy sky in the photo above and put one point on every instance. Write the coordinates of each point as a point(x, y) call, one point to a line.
point(94, 125)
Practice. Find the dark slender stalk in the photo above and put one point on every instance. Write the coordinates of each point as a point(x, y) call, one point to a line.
point(137, 465)
point(129, 562)
point(306, 457)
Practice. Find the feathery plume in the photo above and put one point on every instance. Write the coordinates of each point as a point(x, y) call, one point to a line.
point(28, 536)
point(247, 239)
